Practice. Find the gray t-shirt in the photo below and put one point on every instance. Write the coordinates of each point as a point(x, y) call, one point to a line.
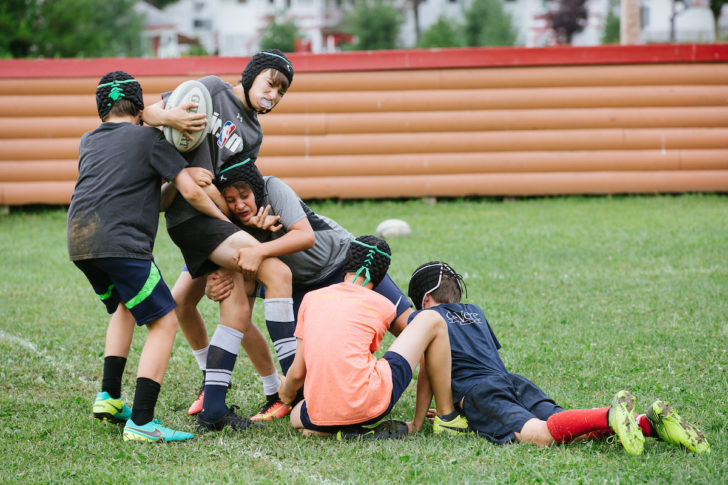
point(114, 211)
point(233, 129)
point(332, 240)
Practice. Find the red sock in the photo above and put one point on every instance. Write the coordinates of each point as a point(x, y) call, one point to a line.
point(567, 425)
point(643, 423)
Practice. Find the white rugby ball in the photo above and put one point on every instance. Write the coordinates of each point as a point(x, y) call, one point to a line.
point(189, 92)
point(393, 228)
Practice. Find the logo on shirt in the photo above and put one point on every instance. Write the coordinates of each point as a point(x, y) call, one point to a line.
point(463, 318)
point(227, 130)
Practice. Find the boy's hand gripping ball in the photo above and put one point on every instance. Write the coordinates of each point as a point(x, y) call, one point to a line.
point(189, 92)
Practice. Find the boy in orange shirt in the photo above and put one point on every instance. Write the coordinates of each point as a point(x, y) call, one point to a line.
point(346, 388)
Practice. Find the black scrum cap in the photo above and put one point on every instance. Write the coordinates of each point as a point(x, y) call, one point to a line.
point(115, 86)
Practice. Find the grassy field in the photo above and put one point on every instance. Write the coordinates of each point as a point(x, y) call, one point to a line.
point(587, 296)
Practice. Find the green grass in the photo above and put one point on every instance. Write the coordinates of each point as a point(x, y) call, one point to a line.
point(587, 296)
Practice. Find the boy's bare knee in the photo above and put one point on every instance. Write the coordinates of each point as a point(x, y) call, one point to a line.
point(276, 276)
point(167, 324)
point(536, 432)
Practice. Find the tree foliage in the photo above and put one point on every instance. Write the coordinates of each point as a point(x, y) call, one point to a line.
point(446, 32)
point(611, 27)
point(280, 35)
point(375, 24)
point(488, 24)
point(70, 28)
point(160, 4)
point(567, 19)
point(17, 24)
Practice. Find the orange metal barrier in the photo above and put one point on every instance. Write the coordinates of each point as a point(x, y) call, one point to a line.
point(481, 123)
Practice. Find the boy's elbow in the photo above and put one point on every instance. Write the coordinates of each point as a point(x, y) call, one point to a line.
point(310, 240)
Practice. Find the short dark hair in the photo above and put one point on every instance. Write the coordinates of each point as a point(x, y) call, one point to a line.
point(438, 279)
point(369, 255)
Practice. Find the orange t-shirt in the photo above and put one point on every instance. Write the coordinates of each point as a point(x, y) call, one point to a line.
point(340, 326)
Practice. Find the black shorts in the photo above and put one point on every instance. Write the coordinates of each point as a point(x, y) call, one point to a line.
point(197, 238)
point(499, 405)
point(135, 282)
point(401, 377)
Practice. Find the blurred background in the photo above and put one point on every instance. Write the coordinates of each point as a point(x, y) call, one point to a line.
point(175, 28)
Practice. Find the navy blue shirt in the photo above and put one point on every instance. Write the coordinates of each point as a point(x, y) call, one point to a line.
point(473, 345)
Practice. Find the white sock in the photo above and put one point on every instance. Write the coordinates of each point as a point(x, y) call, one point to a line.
point(201, 356)
point(271, 383)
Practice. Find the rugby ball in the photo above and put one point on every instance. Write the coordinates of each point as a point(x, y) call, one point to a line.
point(393, 228)
point(189, 92)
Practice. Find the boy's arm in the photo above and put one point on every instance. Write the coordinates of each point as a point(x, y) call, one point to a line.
point(178, 118)
point(423, 400)
point(300, 236)
point(295, 376)
point(203, 178)
point(197, 198)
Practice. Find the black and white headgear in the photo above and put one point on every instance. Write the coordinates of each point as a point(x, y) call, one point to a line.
point(115, 86)
point(267, 59)
point(368, 256)
point(240, 168)
point(427, 278)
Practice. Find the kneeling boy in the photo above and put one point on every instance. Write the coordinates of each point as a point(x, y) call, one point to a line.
point(338, 329)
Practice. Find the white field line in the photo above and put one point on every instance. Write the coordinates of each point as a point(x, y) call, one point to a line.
point(305, 474)
point(28, 345)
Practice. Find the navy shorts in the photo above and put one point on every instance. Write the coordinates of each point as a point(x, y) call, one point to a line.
point(387, 288)
point(197, 238)
point(499, 405)
point(401, 377)
point(137, 283)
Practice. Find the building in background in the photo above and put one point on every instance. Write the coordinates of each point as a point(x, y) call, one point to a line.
point(233, 27)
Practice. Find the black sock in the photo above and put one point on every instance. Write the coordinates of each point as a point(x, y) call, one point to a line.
point(113, 371)
point(445, 417)
point(145, 399)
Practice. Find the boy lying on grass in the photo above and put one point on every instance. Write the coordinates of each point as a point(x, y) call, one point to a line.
point(502, 406)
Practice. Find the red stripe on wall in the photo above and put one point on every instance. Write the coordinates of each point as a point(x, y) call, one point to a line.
point(375, 60)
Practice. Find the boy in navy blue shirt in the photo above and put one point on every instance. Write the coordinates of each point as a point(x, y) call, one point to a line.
point(503, 407)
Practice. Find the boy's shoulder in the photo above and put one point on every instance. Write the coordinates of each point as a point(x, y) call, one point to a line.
point(214, 84)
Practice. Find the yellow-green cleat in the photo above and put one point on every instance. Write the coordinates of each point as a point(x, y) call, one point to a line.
point(108, 409)
point(670, 427)
point(457, 425)
point(621, 420)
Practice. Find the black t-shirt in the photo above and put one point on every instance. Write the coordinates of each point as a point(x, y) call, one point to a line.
point(114, 209)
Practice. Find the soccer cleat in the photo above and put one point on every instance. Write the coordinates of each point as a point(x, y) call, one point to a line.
point(457, 425)
point(196, 406)
point(230, 418)
point(384, 430)
point(153, 432)
point(673, 429)
point(109, 409)
point(621, 421)
point(273, 408)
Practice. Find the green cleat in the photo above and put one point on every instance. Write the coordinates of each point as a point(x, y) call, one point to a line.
point(670, 427)
point(621, 420)
point(384, 430)
point(457, 425)
point(109, 409)
point(153, 432)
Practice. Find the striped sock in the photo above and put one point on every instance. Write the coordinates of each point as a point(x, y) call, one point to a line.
point(221, 356)
point(281, 325)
